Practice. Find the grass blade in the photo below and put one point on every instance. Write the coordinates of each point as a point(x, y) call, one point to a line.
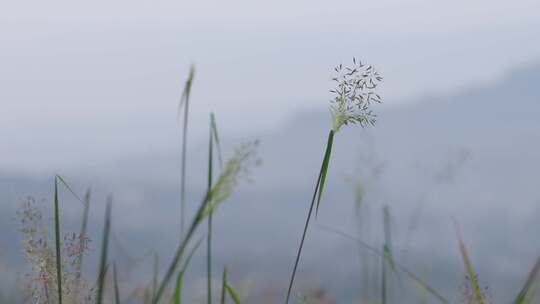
point(116, 289)
point(177, 295)
point(226, 288)
point(181, 248)
point(324, 169)
point(216, 138)
point(69, 188)
point(317, 184)
point(104, 252)
point(209, 237)
point(524, 293)
point(57, 241)
point(475, 287)
point(233, 294)
point(239, 162)
point(184, 104)
point(57, 233)
point(223, 286)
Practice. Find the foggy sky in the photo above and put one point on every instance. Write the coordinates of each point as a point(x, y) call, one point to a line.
point(97, 81)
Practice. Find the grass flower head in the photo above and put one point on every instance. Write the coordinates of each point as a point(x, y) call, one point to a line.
point(238, 166)
point(354, 93)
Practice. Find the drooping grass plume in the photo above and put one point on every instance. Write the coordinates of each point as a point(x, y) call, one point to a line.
point(475, 287)
point(235, 168)
point(398, 265)
point(354, 94)
point(104, 251)
point(524, 294)
point(177, 295)
point(184, 106)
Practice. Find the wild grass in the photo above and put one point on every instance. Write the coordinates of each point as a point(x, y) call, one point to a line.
point(56, 270)
point(354, 94)
point(183, 106)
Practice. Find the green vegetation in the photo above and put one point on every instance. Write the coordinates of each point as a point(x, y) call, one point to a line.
point(354, 94)
point(56, 272)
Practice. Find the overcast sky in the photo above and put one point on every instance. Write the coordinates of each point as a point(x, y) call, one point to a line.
point(97, 80)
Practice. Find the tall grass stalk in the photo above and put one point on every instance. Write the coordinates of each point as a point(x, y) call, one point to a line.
point(57, 241)
point(177, 294)
point(236, 166)
point(104, 252)
point(524, 294)
point(213, 139)
point(116, 289)
point(58, 250)
point(353, 95)
point(209, 237)
point(184, 106)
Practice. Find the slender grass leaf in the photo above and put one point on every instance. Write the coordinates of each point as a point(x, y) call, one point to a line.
point(228, 180)
point(233, 294)
point(223, 286)
point(216, 138)
point(226, 288)
point(69, 188)
point(116, 289)
point(104, 252)
point(324, 169)
point(181, 248)
point(57, 232)
point(184, 104)
point(525, 291)
point(177, 295)
point(57, 241)
point(209, 237)
point(306, 225)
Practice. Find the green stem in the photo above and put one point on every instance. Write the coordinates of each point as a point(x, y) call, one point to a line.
point(209, 239)
point(57, 241)
point(181, 248)
point(104, 251)
point(319, 182)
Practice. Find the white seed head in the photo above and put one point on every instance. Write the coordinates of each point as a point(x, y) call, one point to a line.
point(354, 93)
